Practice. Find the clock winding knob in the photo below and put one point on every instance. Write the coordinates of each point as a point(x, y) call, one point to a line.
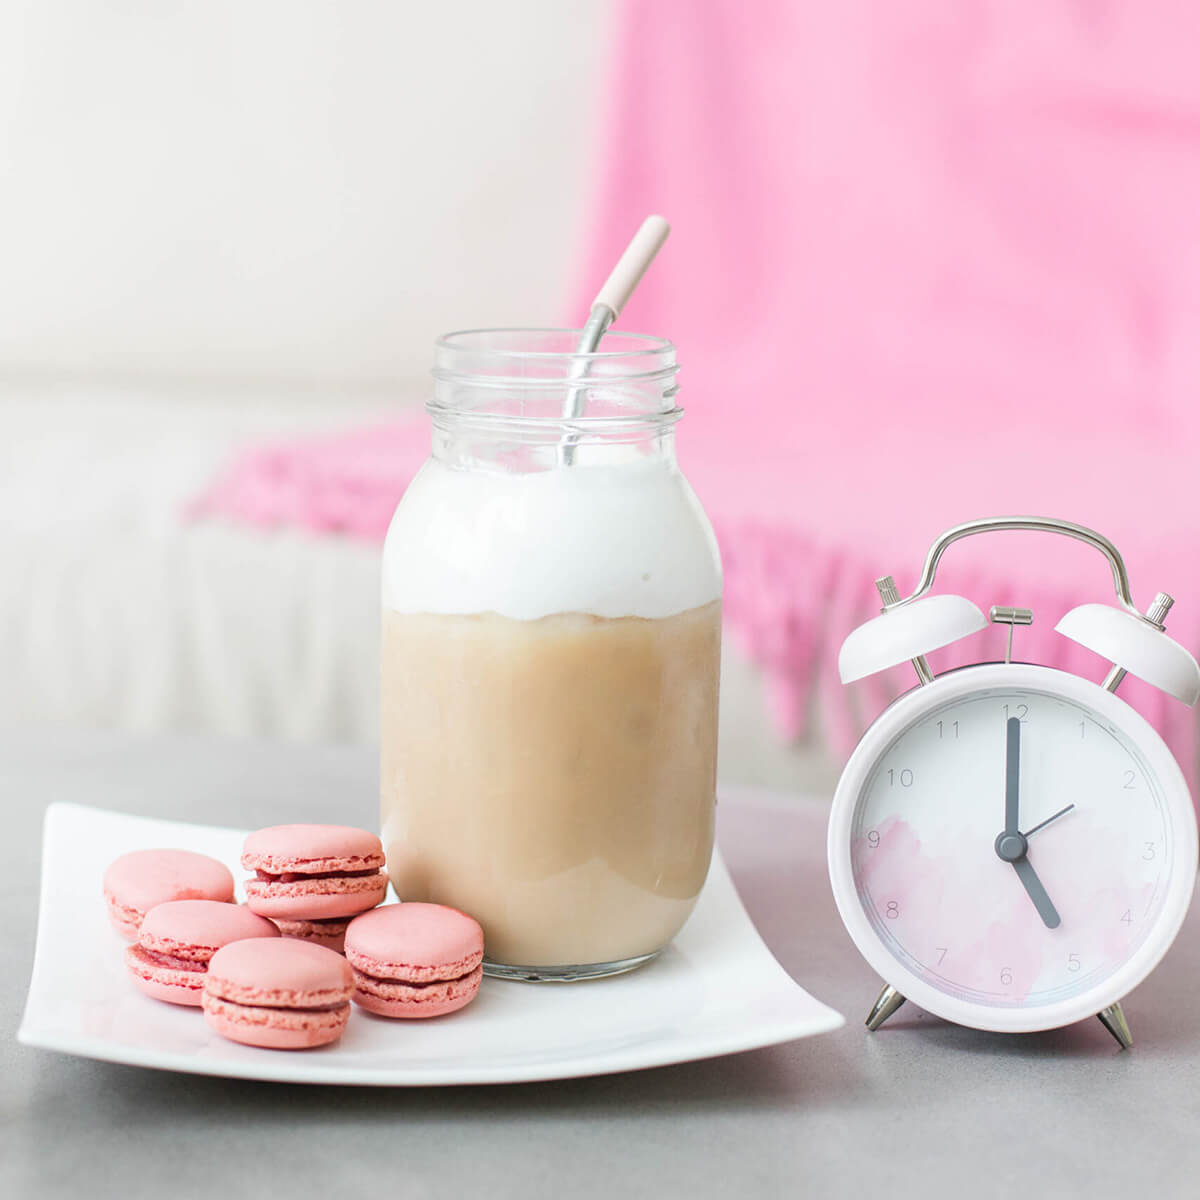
point(1136, 643)
point(888, 593)
point(1159, 609)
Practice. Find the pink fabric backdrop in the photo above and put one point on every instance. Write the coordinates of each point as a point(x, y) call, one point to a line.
point(930, 262)
point(924, 214)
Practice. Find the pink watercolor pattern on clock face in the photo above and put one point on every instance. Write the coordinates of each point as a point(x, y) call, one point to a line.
point(962, 899)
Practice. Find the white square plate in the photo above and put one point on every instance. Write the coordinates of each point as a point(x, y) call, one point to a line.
point(715, 991)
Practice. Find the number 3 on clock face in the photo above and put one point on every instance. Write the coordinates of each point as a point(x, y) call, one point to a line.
point(1012, 847)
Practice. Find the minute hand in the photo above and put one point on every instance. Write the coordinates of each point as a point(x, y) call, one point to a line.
point(1012, 777)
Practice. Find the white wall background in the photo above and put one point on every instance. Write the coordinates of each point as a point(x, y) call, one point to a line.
point(300, 190)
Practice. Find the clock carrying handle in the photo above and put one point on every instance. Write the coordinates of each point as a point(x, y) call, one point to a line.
point(1080, 533)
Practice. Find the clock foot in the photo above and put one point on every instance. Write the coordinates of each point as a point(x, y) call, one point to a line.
point(1113, 1019)
point(885, 1004)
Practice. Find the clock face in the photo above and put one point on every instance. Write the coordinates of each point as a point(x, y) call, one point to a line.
point(1013, 847)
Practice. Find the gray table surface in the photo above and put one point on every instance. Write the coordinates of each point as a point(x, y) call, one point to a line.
point(919, 1109)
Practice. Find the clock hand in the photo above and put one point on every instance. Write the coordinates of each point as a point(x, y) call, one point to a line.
point(1062, 812)
point(1012, 846)
point(1033, 885)
point(1012, 776)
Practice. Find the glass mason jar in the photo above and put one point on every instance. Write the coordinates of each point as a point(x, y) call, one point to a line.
point(550, 656)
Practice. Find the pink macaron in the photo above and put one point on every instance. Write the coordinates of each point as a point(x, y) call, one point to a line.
point(415, 960)
point(177, 940)
point(278, 993)
point(313, 872)
point(137, 882)
point(331, 934)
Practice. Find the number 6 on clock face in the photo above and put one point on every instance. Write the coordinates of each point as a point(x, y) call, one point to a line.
point(1012, 847)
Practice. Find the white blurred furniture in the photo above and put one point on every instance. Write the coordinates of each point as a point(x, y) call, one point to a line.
point(220, 224)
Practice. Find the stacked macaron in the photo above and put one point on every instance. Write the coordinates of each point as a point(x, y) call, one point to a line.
point(137, 882)
point(178, 940)
point(311, 879)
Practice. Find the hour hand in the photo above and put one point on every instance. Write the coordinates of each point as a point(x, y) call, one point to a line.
point(1012, 777)
point(1033, 885)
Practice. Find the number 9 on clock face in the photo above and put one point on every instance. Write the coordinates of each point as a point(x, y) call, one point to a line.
point(1012, 847)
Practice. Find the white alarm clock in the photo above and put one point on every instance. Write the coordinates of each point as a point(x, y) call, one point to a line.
point(1013, 847)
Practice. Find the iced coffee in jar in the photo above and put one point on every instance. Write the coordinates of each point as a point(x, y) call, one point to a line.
point(550, 657)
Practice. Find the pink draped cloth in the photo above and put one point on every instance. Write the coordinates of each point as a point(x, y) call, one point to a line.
point(930, 262)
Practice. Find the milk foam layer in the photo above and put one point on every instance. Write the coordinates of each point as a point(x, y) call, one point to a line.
point(613, 541)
